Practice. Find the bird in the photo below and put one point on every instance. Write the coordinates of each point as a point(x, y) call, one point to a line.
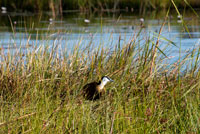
point(94, 90)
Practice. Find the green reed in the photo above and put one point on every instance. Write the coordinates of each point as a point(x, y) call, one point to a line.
point(41, 90)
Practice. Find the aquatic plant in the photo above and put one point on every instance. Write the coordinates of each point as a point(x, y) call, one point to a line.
point(40, 89)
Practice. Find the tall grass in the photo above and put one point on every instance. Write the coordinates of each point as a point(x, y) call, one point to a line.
point(41, 90)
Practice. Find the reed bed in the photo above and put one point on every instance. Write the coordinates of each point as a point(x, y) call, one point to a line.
point(93, 5)
point(41, 90)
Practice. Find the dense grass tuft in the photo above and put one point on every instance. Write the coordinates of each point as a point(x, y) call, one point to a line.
point(40, 91)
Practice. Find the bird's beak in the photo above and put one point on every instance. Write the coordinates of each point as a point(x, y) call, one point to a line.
point(111, 80)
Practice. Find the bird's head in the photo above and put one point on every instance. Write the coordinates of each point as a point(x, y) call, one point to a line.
point(105, 79)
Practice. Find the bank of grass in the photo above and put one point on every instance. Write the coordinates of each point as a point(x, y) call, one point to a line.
point(40, 90)
point(93, 5)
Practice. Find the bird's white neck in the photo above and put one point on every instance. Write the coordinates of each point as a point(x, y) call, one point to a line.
point(103, 83)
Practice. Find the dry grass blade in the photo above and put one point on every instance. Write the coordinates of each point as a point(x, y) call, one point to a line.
point(17, 119)
point(157, 45)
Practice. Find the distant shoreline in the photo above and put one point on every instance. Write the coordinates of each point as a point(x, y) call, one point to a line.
point(92, 5)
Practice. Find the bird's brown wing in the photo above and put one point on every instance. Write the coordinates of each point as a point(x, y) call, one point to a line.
point(90, 92)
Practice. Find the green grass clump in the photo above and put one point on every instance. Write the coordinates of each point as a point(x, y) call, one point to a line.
point(40, 91)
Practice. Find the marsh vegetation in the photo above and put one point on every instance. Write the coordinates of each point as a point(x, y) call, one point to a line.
point(40, 86)
point(147, 96)
point(58, 6)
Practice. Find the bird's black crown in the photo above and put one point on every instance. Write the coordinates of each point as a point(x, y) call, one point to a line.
point(106, 77)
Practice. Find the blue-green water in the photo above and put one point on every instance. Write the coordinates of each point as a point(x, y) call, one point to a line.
point(26, 30)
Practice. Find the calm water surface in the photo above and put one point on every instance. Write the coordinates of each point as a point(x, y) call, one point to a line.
point(106, 29)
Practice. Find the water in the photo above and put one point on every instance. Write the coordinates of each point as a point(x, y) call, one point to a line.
point(105, 29)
